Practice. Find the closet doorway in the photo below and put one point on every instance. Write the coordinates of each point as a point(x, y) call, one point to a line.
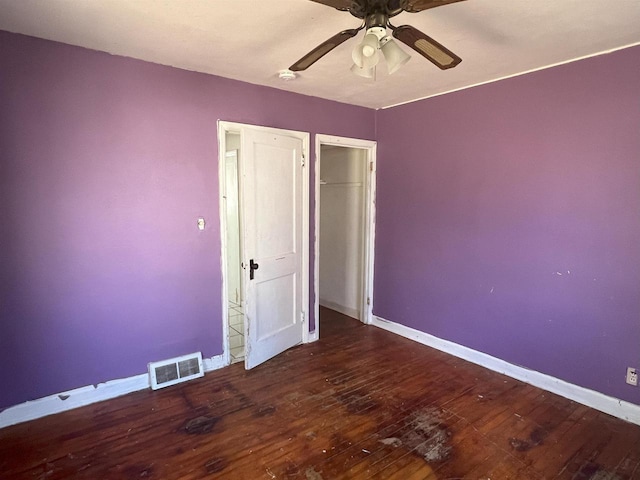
point(345, 212)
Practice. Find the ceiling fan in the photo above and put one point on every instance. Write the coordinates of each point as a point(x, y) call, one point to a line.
point(375, 15)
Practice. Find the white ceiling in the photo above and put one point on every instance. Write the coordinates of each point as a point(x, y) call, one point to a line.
point(252, 40)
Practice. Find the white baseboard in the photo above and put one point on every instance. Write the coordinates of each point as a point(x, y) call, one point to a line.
point(349, 312)
point(79, 397)
point(213, 363)
point(70, 399)
point(599, 401)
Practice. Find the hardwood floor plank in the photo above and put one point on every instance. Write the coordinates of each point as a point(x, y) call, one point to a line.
point(629, 466)
point(359, 403)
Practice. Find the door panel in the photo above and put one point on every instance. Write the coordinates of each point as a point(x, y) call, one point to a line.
point(274, 172)
point(274, 300)
point(272, 207)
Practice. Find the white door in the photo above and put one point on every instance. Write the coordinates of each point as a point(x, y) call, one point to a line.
point(272, 259)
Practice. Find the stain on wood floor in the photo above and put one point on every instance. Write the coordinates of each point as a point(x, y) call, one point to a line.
point(359, 403)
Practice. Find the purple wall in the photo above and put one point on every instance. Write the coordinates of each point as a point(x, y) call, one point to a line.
point(509, 220)
point(106, 163)
point(485, 197)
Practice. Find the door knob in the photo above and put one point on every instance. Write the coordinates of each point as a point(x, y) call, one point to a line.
point(252, 267)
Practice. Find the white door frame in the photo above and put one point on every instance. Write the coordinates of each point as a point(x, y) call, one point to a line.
point(366, 315)
point(225, 127)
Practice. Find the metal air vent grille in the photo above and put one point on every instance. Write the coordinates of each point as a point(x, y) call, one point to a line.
point(175, 370)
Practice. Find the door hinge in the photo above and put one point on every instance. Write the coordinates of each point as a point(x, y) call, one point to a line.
point(368, 300)
point(371, 166)
point(302, 316)
point(303, 161)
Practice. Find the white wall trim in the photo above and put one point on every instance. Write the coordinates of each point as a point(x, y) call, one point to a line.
point(222, 129)
point(599, 401)
point(214, 363)
point(80, 397)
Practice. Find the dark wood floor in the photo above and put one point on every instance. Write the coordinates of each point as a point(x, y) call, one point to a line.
point(359, 403)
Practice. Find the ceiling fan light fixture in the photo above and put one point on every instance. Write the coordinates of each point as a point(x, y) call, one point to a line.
point(393, 54)
point(365, 55)
point(364, 72)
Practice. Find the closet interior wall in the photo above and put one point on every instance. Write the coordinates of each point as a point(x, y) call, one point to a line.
point(342, 217)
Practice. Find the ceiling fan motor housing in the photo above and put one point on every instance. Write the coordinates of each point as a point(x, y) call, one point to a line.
point(365, 8)
point(376, 20)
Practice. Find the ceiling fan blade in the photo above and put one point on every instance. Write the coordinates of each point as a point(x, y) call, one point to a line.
point(426, 46)
point(339, 4)
point(321, 50)
point(414, 6)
